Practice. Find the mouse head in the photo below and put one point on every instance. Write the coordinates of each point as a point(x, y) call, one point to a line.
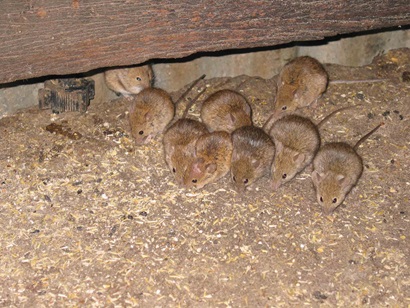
point(243, 171)
point(141, 121)
point(287, 98)
point(238, 118)
point(199, 172)
point(286, 164)
point(178, 166)
point(331, 190)
point(135, 79)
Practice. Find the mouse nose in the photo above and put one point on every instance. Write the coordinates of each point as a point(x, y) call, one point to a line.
point(239, 188)
point(327, 211)
point(275, 185)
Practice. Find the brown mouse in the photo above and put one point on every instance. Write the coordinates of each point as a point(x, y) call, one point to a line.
point(150, 112)
point(129, 80)
point(336, 169)
point(226, 110)
point(252, 156)
point(300, 83)
point(211, 160)
point(179, 144)
point(297, 141)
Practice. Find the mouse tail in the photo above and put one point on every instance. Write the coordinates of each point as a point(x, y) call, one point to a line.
point(193, 84)
point(326, 118)
point(190, 103)
point(361, 140)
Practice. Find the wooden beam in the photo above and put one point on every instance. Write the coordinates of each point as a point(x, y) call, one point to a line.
point(41, 37)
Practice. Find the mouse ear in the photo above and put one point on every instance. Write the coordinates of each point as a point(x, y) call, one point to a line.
point(341, 179)
point(316, 177)
point(196, 166)
point(148, 116)
point(248, 109)
point(279, 146)
point(196, 169)
point(232, 118)
point(211, 168)
point(235, 155)
point(255, 163)
point(299, 158)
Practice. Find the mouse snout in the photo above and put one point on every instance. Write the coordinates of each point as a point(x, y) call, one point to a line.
point(136, 89)
point(141, 140)
point(240, 188)
point(275, 184)
point(327, 211)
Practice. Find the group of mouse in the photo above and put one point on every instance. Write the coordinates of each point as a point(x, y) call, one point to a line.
point(226, 141)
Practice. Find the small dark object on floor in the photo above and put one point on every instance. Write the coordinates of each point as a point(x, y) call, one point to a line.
point(71, 94)
point(319, 295)
point(406, 76)
point(360, 96)
point(60, 130)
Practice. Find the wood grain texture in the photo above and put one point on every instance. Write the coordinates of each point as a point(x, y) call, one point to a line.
point(40, 37)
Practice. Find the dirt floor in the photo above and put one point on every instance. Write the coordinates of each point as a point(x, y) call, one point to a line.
point(89, 219)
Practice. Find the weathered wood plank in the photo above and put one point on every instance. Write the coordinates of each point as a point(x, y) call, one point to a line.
point(40, 37)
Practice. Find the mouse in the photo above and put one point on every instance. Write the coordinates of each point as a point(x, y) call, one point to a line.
point(252, 156)
point(300, 83)
point(297, 140)
point(336, 170)
point(179, 143)
point(226, 110)
point(128, 81)
point(211, 159)
point(150, 112)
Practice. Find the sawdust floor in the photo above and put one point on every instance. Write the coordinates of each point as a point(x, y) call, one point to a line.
point(88, 219)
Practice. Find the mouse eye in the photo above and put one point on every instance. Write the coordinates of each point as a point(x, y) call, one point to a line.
point(321, 199)
point(334, 200)
point(284, 107)
point(141, 132)
point(173, 170)
point(138, 78)
point(245, 181)
point(194, 181)
point(284, 176)
point(234, 179)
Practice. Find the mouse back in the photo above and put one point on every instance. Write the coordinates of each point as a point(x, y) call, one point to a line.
point(150, 112)
point(226, 110)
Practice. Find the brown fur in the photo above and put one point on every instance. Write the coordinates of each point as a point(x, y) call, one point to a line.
point(129, 80)
point(179, 144)
point(211, 160)
point(253, 152)
point(150, 112)
point(226, 110)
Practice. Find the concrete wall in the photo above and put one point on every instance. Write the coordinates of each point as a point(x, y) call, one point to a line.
point(353, 50)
